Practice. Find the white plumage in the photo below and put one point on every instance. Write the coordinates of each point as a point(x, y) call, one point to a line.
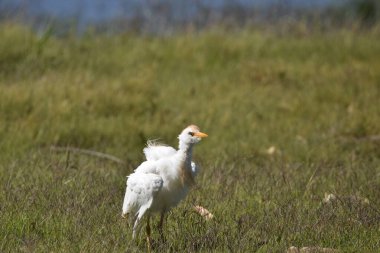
point(154, 151)
point(161, 181)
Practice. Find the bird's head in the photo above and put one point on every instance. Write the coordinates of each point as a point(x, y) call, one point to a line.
point(191, 135)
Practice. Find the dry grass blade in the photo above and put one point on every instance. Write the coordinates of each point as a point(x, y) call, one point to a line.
point(311, 250)
point(87, 152)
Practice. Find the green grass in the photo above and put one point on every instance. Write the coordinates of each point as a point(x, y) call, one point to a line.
point(314, 97)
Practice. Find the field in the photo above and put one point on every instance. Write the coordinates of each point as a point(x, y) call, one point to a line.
point(290, 117)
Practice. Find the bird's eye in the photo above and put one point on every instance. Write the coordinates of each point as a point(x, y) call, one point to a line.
point(191, 133)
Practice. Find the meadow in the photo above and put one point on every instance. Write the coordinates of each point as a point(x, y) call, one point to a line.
point(290, 117)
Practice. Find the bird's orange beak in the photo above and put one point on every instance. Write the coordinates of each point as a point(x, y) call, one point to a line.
point(200, 135)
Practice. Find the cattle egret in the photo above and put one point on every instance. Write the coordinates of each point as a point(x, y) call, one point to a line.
point(161, 181)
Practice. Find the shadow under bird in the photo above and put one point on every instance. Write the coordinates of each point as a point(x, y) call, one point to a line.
point(161, 181)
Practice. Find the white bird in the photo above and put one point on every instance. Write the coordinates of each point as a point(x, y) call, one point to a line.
point(161, 181)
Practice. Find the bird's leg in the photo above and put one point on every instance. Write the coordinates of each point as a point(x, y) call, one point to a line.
point(160, 225)
point(148, 240)
point(135, 227)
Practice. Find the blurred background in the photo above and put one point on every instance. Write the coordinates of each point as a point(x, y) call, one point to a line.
point(167, 16)
point(288, 92)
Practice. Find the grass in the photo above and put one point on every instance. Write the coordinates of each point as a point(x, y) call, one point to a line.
point(314, 97)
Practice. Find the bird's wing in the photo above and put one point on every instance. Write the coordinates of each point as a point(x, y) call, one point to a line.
point(155, 151)
point(148, 167)
point(140, 193)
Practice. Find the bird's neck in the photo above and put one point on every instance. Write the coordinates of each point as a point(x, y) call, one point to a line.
point(186, 151)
